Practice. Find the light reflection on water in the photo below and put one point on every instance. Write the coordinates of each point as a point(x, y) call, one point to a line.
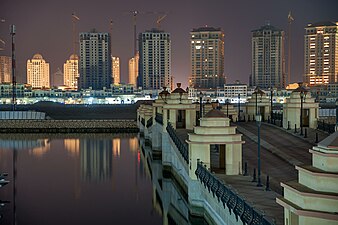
point(90, 179)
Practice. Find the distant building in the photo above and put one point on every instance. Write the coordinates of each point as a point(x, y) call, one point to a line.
point(5, 69)
point(38, 72)
point(267, 69)
point(207, 58)
point(321, 53)
point(233, 90)
point(71, 72)
point(56, 79)
point(95, 61)
point(155, 59)
point(133, 69)
point(116, 70)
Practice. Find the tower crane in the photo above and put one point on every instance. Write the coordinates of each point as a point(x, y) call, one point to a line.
point(159, 20)
point(74, 20)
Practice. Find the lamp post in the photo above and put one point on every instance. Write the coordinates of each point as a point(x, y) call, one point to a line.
point(271, 95)
point(260, 92)
point(239, 107)
point(200, 95)
point(227, 104)
point(164, 94)
point(259, 121)
point(301, 112)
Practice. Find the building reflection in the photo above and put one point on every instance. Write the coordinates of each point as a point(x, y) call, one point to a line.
point(133, 144)
point(43, 146)
point(72, 146)
point(96, 159)
point(116, 147)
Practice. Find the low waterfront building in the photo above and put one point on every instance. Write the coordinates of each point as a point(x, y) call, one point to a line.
point(300, 105)
point(312, 200)
point(259, 103)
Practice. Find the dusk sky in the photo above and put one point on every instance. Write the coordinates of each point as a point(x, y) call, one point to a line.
point(45, 27)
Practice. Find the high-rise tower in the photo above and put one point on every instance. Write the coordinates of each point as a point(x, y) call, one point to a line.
point(95, 61)
point(155, 59)
point(5, 69)
point(116, 69)
point(38, 72)
point(267, 69)
point(321, 53)
point(71, 71)
point(207, 58)
point(133, 69)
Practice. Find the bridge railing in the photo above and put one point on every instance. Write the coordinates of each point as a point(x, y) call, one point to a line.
point(181, 146)
point(327, 127)
point(159, 118)
point(230, 199)
point(150, 122)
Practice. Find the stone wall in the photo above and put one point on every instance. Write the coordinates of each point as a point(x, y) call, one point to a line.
point(68, 126)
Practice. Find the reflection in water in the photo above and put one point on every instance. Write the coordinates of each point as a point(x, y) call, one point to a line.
point(96, 159)
point(133, 144)
point(116, 147)
point(41, 149)
point(74, 190)
point(72, 146)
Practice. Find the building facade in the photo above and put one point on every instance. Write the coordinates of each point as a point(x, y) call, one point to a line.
point(207, 58)
point(268, 61)
point(116, 75)
point(321, 53)
point(38, 72)
point(133, 69)
point(71, 72)
point(95, 61)
point(5, 69)
point(155, 60)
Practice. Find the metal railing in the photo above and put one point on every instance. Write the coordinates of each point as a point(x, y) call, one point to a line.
point(327, 127)
point(181, 146)
point(230, 199)
point(159, 118)
point(150, 122)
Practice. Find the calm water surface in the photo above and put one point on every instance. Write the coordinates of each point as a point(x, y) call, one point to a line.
point(83, 179)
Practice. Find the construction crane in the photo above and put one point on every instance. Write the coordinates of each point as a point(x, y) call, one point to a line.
point(111, 36)
point(2, 41)
point(159, 20)
point(290, 19)
point(74, 20)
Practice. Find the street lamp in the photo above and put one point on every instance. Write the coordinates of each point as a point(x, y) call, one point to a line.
point(200, 95)
point(301, 112)
point(164, 94)
point(271, 95)
point(258, 91)
point(227, 104)
point(259, 122)
point(239, 107)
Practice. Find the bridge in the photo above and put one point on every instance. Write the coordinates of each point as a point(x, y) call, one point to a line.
point(215, 162)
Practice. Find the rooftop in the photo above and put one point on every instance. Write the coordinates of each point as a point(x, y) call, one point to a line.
point(267, 27)
point(205, 29)
point(322, 24)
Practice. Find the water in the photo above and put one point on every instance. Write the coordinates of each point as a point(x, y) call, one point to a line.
point(86, 179)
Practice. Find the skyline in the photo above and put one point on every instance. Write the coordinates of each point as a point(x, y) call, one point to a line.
point(56, 44)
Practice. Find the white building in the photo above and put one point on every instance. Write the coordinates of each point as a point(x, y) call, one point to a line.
point(321, 53)
point(233, 90)
point(71, 72)
point(38, 72)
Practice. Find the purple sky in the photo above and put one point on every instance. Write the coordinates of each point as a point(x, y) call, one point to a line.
point(45, 26)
